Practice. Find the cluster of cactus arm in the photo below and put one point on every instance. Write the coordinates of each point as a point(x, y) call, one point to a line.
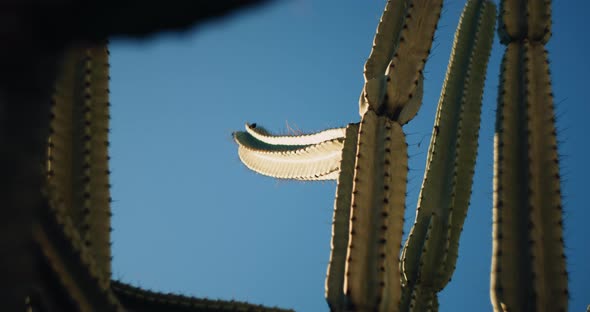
point(368, 269)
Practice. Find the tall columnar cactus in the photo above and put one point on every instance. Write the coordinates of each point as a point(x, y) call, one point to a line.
point(366, 272)
point(430, 253)
point(528, 265)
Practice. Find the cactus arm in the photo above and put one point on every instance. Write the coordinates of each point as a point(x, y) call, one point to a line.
point(137, 299)
point(77, 155)
point(378, 202)
point(451, 159)
point(386, 39)
point(418, 297)
point(528, 264)
point(340, 224)
point(548, 252)
point(527, 223)
point(384, 45)
point(318, 161)
point(411, 53)
point(530, 19)
point(467, 145)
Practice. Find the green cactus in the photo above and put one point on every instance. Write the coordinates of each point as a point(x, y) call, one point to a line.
point(55, 236)
point(527, 197)
point(366, 272)
point(78, 189)
point(56, 220)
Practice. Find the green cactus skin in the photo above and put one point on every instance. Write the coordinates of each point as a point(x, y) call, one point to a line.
point(528, 264)
point(393, 74)
point(341, 222)
point(372, 280)
point(137, 299)
point(430, 253)
point(78, 147)
point(78, 217)
point(521, 20)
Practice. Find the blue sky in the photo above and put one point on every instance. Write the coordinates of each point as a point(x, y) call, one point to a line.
point(190, 218)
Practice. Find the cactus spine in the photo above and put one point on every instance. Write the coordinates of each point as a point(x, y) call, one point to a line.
point(528, 264)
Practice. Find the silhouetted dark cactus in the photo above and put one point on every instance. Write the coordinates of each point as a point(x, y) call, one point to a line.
point(55, 225)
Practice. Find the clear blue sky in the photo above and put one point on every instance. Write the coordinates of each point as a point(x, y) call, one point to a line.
point(190, 218)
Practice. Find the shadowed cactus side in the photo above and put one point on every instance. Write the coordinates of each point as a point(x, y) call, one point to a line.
point(54, 230)
point(366, 272)
point(77, 165)
point(528, 218)
point(79, 198)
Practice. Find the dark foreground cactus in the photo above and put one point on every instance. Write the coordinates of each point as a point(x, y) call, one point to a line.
point(54, 199)
point(55, 243)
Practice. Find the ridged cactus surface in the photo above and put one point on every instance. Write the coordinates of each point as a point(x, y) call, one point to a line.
point(528, 265)
point(431, 251)
point(366, 271)
point(77, 165)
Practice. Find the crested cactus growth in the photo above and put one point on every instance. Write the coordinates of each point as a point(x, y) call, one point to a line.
point(306, 157)
point(366, 272)
point(527, 197)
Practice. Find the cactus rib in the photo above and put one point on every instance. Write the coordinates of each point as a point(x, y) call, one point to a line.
point(409, 58)
point(446, 188)
point(340, 224)
point(378, 202)
point(521, 20)
point(527, 196)
point(527, 200)
point(78, 147)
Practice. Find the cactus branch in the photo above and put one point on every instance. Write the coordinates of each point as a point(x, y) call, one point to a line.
point(307, 157)
point(446, 188)
point(341, 222)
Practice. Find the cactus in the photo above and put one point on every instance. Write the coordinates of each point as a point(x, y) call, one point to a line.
point(366, 272)
point(55, 195)
point(56, 221)
point(527, 196)
point(78, 188)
